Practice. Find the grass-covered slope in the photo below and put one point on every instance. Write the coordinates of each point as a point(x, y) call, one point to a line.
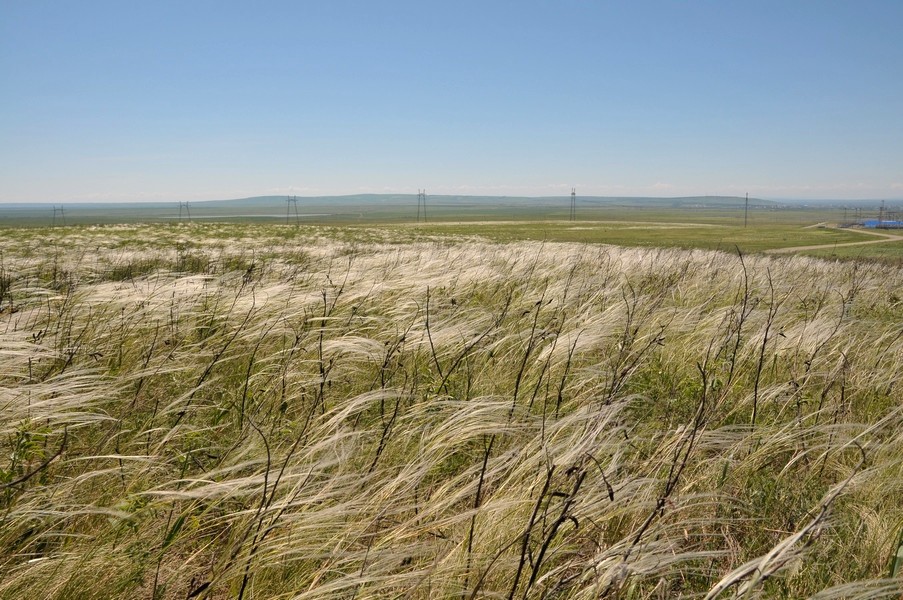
point(187, 415)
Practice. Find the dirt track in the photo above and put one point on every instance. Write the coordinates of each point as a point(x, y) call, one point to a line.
point(885, 237)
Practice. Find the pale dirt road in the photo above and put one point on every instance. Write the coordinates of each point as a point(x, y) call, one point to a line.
point(885, 237)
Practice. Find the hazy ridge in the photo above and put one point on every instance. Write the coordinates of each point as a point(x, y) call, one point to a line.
point(381, 206)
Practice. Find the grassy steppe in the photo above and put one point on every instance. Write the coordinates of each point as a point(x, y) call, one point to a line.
point(649, 234)
point(277, 412)
point(891, 252)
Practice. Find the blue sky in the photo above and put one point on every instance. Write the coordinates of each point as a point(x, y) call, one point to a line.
point(123, 100)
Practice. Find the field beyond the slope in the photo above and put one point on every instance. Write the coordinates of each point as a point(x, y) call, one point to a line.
point(257, 412)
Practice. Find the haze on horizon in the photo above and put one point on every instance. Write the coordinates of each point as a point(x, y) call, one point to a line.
point(112, 101)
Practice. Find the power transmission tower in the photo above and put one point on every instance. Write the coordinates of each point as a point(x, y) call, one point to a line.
point(881, 215)
point(421, 204)
point(187, 211)
point(573, 216)
point(746, 210)
point(289, 202)
point(62, 213)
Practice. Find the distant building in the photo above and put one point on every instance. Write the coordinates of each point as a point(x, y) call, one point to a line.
point(885, 224)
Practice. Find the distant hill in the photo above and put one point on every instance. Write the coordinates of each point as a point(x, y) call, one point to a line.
point(458, 200)
point(683, 202)
point(357, 207)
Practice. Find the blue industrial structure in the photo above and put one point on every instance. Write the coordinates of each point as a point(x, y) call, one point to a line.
point(882, 224)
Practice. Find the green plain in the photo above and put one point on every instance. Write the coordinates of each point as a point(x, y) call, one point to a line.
point(718, 224)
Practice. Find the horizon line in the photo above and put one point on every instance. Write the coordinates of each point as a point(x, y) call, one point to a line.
point(412, 194)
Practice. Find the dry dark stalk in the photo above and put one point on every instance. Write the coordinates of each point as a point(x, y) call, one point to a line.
point(608, 488)
point(353, 312)
point(469, 347)
point(856, 284)
point(147, 358)
point(559, 398)
point(797, 382)
point(679, 462)
point(487, 451)
point(479, 584)
point(341, 288)
point(283, 378)
point(261, 532)
point(393, 349)
point(468, 381)
point(72, 348)
point(528, 276)
point(40, 467)
point(807, 318)
point(328, 309)
point(746, 308)
point(841, 407)
point(155, 410)
point(167, 538)
point(773, 307)
point(251, 359)
point(263, 502)
point(386, 374)
point(531, 344)
point(569, 281)
point(140, 384)
point(211, 364)
point(627, 359)
point(384, 438)
point(241, 289)
point(6, 286)
point(296, 345)
point(525, 536)
point(321, 364)
point(61, 311)
point(829, 385)
point(761, 569)
point(542, 376)
point(563, 517)
point(370, 539)
point(622, 371)
point(429, 335)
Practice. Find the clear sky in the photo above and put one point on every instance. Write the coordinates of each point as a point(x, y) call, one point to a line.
point(187, 100)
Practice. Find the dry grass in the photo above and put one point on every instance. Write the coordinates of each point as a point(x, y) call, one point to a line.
point(312, 418)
